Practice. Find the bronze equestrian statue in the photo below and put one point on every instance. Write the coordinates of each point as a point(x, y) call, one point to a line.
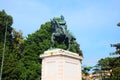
point(60, 32)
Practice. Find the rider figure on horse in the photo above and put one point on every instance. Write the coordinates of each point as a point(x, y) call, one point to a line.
point(59, 26)
point(60, 32)
point(62, 24)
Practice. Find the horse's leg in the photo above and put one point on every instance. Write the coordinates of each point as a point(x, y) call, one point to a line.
point(68, 44)
point(52, 40)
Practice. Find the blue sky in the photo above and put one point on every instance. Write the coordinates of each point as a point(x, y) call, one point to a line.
point(93, 22)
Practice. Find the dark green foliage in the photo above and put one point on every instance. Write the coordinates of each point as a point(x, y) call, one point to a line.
point(12, 67)
point(5, 20)
point(116, 72)
point(86, 69)
point(35, 44)
point(106, 64)
point(112, 65)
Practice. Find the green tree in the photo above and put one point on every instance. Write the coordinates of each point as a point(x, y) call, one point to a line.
point(6, 20)
point(116, 72)
point(14, 47)
point(106, 63)
point(5, 24)
point(117, 52)
point(116, 68)
point(110, 66)
point(86, 69)
point(85, 72)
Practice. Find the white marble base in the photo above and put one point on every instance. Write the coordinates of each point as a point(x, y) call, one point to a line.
point(59, 64)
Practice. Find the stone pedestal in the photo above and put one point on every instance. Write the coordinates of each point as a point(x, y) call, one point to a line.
point(59, 64)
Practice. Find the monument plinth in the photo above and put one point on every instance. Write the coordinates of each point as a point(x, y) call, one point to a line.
point(59, 64)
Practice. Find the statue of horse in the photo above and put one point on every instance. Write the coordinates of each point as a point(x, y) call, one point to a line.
point(60, 32)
